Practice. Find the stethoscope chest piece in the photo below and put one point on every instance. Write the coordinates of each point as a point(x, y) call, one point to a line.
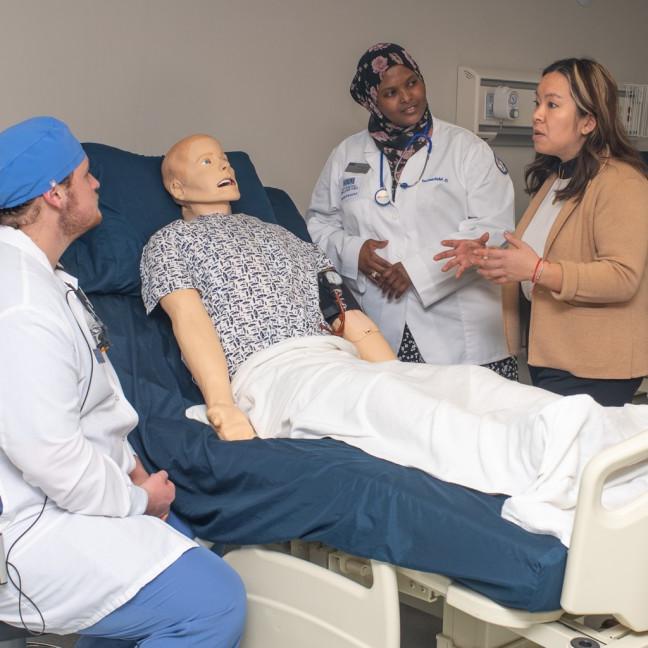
point(382, 197)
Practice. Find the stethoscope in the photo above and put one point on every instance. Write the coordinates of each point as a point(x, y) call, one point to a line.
point(382, 196)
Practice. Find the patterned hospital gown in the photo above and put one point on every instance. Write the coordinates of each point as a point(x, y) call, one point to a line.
point(258, 281)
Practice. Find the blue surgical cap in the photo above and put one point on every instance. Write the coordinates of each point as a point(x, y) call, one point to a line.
point(34, 155)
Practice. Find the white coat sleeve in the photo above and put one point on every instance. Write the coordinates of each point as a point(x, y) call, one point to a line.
point(40, 424)
point(490, 208)
point(324, 219)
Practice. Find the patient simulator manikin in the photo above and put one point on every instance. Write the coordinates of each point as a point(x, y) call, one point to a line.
point(198, 176)
point(463, 424)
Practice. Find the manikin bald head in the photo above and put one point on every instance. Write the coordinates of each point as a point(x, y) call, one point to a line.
point(198, 175)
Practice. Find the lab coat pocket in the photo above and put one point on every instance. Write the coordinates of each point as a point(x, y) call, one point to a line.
point(99, 389)
point(356, 188)
point(357, 286)
point(437, 203)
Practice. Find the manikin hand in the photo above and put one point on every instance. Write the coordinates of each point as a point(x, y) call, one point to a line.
point(516, 263)
point(460, 253)
point(229, 422)
point(161, 493)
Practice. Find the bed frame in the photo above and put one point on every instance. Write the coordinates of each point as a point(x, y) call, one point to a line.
point(330, 599)
point(310, 595)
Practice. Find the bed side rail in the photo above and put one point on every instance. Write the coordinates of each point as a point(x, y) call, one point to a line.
point(292, 602)
point(607, 567)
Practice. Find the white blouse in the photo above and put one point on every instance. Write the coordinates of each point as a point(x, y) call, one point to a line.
point(538, 230)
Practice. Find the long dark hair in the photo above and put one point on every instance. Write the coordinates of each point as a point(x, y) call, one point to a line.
point(595, 93)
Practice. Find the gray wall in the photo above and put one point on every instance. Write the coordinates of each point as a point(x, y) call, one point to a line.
point(271, 77)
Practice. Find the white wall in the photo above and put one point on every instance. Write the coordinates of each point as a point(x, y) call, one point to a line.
point(271, 76)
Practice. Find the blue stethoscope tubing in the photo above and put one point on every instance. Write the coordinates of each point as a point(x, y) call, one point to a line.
point(382, 196)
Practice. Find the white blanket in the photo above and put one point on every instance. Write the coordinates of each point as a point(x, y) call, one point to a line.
point(463, 424)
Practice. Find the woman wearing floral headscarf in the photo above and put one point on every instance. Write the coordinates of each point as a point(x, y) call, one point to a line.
point(386, 199)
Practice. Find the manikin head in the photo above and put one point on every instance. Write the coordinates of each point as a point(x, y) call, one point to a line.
point(198, 175)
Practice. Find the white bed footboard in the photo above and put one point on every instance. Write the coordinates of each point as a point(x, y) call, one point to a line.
point(607, 567)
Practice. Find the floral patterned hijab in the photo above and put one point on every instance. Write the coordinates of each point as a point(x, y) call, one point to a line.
point(390, 138)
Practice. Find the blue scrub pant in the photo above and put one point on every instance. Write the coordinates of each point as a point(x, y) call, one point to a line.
point(199, 600)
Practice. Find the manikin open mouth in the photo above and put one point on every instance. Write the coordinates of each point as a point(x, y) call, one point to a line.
point(227, 182)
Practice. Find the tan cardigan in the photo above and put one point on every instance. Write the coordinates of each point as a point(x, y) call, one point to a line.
point(597, 326)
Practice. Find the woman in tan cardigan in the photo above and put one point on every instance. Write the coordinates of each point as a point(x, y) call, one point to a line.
point(578, 256)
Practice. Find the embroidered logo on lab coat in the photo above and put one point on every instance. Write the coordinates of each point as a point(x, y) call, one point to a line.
point(500, 164)
point(349, 188)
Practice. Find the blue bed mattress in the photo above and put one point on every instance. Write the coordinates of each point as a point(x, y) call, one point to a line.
point(265, 491)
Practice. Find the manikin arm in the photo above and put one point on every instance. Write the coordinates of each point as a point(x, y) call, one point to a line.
point(365, 336)
point(341, 310)
point(203, 354)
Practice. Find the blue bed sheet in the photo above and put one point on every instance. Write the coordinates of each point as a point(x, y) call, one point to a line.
point(265, 491)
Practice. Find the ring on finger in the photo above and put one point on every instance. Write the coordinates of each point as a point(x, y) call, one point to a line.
point(374, 275)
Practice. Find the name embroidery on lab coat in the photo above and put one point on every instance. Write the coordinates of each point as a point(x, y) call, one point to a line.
point(357, 167)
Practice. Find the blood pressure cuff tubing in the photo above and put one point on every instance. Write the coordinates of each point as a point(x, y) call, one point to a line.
point(334, 296)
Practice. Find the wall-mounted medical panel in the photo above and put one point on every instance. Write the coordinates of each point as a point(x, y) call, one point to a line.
point(497, 105)
point(633, 109)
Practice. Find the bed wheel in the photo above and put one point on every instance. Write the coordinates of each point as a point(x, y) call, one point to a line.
point(584, 642)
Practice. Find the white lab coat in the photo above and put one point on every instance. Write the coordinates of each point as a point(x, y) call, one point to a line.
point(463, 193)
point(92, 549)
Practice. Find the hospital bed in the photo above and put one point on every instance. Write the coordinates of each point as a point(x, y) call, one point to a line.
point(348, 532)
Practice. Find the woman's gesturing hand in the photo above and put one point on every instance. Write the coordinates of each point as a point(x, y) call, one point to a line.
point(515, 263)
point(460, 253)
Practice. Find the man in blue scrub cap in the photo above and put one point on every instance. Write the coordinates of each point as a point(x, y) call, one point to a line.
point(87, 546)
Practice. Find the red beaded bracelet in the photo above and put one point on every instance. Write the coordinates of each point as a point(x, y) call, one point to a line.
point(537, 271)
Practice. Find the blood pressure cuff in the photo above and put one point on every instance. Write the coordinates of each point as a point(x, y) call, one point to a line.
point(334, 296)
